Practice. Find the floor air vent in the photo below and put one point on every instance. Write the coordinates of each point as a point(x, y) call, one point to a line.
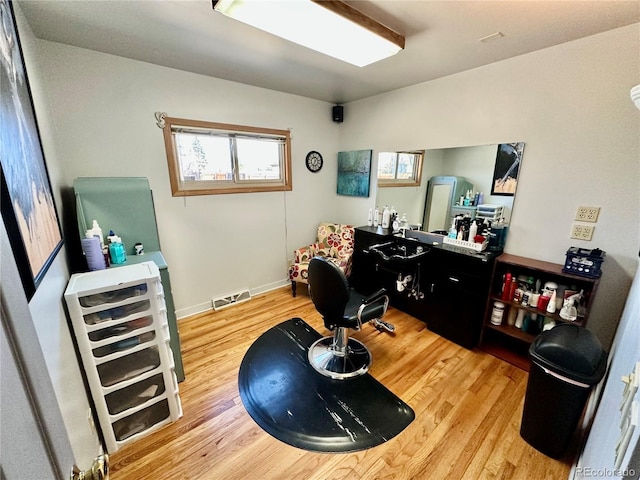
point(232, 299)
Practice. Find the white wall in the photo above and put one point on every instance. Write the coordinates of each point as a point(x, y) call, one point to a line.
point(46, 306)
point(571, 105)
point(104, 113)
point(599, 452)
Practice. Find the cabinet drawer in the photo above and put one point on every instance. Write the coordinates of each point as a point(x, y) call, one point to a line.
point(128, 366)
point(135, 395)
point(462, 281)
point(124, 344)
point(113, 296)
point(142, 420)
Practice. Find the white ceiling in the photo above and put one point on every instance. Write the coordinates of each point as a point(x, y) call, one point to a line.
point(442, 38)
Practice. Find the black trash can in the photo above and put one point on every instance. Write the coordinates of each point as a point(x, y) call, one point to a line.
point(566, 362)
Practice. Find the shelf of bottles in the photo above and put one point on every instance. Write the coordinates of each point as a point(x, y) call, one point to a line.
point(120, 323)
point(529, 296)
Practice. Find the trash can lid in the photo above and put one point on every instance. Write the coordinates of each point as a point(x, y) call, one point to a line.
point(572, 351)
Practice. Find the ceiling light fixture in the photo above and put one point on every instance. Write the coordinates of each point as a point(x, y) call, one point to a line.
point(330, 26)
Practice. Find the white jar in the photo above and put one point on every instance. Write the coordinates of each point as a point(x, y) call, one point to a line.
point(497, 313)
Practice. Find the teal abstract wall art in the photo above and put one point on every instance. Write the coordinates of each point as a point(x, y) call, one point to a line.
point(354, 173)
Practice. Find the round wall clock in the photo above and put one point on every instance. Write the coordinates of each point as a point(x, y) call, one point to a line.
point(314, 161)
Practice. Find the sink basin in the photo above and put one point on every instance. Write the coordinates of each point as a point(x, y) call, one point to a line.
point(430, 238)
point(398, 252)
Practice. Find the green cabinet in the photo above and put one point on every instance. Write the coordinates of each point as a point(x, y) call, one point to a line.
point(125, 205)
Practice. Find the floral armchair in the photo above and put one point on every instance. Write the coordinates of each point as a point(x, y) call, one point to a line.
point(334, 242)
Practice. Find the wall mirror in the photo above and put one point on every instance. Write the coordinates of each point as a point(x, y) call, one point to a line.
point(490, 169)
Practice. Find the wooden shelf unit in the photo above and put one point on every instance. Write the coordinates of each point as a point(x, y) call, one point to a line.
point(508, 342)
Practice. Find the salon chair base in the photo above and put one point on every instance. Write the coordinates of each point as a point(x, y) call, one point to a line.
point(339, 362)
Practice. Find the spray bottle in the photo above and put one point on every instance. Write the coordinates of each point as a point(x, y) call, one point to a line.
point(568, 310)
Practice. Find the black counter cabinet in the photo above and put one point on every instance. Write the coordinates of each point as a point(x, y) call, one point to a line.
point(459, 295)
point(447, 288)
point(370, 272)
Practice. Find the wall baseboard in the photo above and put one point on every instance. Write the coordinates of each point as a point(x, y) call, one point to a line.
point(206, 306)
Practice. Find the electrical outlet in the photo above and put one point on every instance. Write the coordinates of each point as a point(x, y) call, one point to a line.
point(588, 214)
point(582, 232)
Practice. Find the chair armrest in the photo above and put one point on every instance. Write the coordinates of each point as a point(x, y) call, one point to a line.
point(375, 296)
point(304, 254)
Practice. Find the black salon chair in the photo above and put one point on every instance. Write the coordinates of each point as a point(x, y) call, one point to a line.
point(342, 308)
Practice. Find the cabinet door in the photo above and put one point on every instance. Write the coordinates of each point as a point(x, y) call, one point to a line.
point(364, 277)
point(457, 307)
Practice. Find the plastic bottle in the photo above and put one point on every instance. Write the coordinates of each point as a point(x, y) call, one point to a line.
point(497, 237)
point(512, 289)
point(404, 223)
point(506, 286)
point(117, 251)
point(551, 306)
point(96, 231)
point(111, 236)
point(526, 296)
point(386, 217)
point(473, 231)
point(376, 216)
point(370, 217)
point(453, 233)
point(93, 252)
point(481, 198)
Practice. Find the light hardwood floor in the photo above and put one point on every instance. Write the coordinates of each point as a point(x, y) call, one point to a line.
point(468, 407)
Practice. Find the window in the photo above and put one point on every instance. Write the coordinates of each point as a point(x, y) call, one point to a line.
point(400, 169)
point(208, 158)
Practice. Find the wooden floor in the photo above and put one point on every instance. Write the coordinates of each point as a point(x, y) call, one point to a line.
point(468, 407)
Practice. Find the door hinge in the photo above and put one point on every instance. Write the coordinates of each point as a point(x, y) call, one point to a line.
point(99, 470)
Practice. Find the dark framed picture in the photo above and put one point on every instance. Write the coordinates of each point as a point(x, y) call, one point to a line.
point(507, 167)
point(354, 173)
point(28, 210)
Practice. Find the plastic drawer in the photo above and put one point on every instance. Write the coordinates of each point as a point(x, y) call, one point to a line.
point(122, 329)
point(116, 313)
point(124, 344)
point(135, 395)
point(113, 296)
point(128, 366)
point(142, 420)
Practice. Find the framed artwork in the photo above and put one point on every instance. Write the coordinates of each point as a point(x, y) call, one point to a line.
point(505, 173)
point(27, 205)
point(354, 173)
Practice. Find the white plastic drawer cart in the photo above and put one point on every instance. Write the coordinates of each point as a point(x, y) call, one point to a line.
point(120, 321)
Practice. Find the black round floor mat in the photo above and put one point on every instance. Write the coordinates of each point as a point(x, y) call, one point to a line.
point(299, 406)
